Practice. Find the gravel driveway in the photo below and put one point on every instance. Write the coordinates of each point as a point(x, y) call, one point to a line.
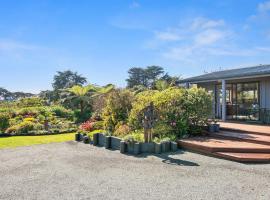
point(77, 171)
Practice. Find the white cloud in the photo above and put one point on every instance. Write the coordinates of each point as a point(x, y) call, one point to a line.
point(209, 36)
point(264, 7)
point(204, 23)
point(7, 45)
point(200, 40)
point(168, 35)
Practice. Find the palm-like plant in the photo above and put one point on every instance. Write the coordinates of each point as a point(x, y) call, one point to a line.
point(82, 95)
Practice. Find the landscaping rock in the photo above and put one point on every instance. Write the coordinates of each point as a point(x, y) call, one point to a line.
point(107, 142)
point(157, 148)
point(122, 147)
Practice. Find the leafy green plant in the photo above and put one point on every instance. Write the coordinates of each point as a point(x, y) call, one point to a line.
point(4, 122)
point(135, 136)
point(23, 128)
point(118, 106)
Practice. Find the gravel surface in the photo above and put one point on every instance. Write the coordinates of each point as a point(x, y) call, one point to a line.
point(77, 171)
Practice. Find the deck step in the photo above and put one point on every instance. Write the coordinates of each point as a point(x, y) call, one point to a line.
point(248, 137)
point(245, 157)
point(211, 145)
point(249, 131)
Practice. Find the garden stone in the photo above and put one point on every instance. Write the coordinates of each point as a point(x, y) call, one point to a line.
point(122, 147)
point(174, 146)
point(157, 148)
point(95, 139)
point(86, 140)
point(107, 142)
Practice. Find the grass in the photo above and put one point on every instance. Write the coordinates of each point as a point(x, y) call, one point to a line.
point(18, 141)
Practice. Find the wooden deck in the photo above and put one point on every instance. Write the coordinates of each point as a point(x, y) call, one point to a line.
point(248, 128)
point(237, 142)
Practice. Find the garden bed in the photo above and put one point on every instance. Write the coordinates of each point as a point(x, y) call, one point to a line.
point(135, 148)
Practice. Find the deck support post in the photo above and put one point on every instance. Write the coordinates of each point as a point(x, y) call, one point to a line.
point(223, 100)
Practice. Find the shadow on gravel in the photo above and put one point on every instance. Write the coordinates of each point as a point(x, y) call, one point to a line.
point(167, 159)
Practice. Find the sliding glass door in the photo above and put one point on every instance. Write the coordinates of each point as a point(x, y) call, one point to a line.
point(242, 101)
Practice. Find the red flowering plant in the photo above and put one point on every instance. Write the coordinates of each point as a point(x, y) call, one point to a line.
point(88, 125)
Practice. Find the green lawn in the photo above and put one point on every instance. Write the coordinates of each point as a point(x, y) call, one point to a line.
point(17, 141)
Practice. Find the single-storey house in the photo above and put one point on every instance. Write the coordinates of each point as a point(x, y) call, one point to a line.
point(244, 91)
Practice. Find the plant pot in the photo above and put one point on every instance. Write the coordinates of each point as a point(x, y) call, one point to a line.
point(217, 127)
point(130, 147)
point(107, 142)
point(77, 137)
point(86, 140)
point(165, 146)
point(115, 143)
point(122, 147)
point(211, 128)
point(157, 148)
point(174, 146)
point(95, 139)
point(101, 139)
point(137, 148)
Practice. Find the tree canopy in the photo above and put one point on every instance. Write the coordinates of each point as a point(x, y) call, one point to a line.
point(67, 79)
point(147, 77)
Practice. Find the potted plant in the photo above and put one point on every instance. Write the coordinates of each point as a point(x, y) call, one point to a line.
point(211, 126)
point(216, 126)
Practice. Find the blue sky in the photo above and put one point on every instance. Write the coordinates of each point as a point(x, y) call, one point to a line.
point(102, 39)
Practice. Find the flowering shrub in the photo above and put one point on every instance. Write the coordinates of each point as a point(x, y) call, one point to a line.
point(87, 126)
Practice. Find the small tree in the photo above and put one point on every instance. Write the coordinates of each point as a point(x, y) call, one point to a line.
point(117, 108)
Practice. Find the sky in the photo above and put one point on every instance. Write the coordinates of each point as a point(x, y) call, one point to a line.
point(102, 39)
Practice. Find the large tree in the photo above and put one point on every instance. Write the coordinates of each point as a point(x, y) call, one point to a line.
point(4, 94)
point(144, 76)
point(67, 79)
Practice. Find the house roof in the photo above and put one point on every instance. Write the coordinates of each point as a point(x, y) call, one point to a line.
point(261, 70)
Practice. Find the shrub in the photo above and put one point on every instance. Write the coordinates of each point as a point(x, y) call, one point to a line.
point(22, 128)
point(135, 136)
point(91, 134)
point(87, 126)
point(4, 122)
point(60, 111)
point(98, 125)
point(30, 102)
point(122, 130)
point(180, 111)
point(117, 108)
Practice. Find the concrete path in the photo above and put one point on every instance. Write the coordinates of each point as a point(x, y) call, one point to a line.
point(78, 171)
